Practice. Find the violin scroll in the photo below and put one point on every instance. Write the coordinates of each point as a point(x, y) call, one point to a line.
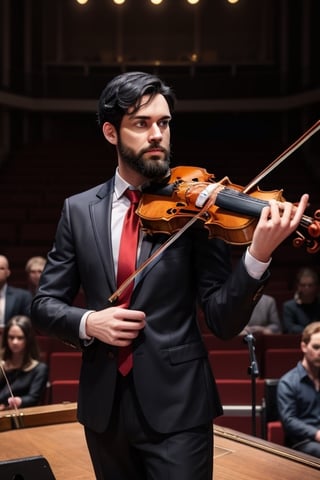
point(312, 226)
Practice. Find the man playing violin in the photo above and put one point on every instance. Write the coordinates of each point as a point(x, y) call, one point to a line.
point(154, 422)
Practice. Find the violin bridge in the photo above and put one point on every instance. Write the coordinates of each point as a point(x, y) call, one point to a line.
point(206, 193)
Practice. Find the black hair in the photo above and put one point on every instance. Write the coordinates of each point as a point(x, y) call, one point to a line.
point(126, 90)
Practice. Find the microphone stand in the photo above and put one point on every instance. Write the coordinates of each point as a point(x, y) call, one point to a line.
point(253, 370)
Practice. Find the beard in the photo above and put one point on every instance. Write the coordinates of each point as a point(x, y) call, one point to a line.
point(154, 167)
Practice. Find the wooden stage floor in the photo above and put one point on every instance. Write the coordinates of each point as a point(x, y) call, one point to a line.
point(55, 434)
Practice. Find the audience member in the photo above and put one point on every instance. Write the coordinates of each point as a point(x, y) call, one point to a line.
point(299, 396)
point(20, 365)
point(13, 300)
point(34, 268)
point(304, 307)
point(264, 318)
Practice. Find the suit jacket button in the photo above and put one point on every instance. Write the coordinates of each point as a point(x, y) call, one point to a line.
point(110, 355)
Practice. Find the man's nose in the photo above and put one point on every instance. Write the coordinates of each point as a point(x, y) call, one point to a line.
point(155, 133)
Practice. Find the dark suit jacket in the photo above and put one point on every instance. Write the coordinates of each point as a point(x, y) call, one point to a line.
point(172, 376)
point(296, 316)
point(18, 302)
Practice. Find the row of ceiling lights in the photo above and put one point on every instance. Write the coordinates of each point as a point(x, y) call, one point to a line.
point(154, 2)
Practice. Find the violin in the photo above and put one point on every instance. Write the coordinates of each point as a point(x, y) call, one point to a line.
point(191, 195)
point(231, 216)
point(228, 211)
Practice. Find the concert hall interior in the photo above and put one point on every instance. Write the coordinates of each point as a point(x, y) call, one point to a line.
point(247, 79)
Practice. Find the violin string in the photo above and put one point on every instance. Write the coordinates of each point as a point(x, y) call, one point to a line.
point(17, 413)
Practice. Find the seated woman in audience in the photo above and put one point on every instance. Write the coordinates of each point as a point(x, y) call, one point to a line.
point(20, 366)
point(304, 307)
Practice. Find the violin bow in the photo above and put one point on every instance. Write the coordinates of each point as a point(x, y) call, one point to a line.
point(17, 417)
point(292, 148)
point(297, 144)
point(114, 297)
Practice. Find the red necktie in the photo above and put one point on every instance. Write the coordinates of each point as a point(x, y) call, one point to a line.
point(126, 266)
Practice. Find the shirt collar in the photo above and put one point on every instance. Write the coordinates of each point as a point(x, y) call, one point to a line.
point(302, 373)
point(3, 291)
point(120, 185)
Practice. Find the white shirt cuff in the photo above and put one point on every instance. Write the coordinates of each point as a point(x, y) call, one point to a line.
point(82, 328)
point(254, 267)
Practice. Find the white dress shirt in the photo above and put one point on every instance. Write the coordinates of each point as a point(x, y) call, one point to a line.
point(2, 305)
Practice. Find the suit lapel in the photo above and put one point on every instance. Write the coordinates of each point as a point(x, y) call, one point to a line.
point(9, 303)
point(100, 215)
point(148, 247)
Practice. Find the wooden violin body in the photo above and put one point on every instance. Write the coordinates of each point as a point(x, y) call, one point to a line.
point(161, 214)
point(232, 217)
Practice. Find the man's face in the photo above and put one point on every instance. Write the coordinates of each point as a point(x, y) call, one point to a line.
point(307, 289)
point(16, 339)
point(34, 275)
point(144, 139)
point(311, 350)
point(4, 271)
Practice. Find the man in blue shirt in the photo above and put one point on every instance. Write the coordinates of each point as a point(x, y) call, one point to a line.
point(298, 396)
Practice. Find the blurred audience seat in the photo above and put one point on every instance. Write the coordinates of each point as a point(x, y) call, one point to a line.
point(64, 366)
point(63, 391)
point(287, 340)
point(275, 433)
point(271, 426)
point(278, 361)
point(229, 363)
point(239, 391)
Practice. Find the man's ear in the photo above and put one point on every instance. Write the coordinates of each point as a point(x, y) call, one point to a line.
point(303, 347)
point(110, 133)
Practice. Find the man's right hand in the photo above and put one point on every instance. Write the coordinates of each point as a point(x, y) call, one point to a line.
point(116, 326)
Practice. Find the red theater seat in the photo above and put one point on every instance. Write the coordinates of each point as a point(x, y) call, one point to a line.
point(275, 432)
point(278, 361)
point(229, 363)
point(239, 392)
point(48, 345)
point(64, 366)
point(214, 343)
point(287, 340)
point(64, 391)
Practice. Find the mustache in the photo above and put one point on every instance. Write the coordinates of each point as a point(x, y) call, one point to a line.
point(152, 147)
